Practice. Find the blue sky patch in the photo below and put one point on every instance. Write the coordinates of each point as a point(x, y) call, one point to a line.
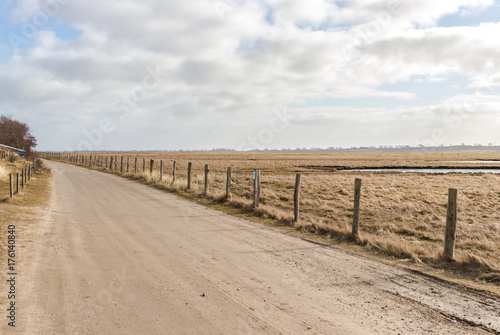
point(490, 14)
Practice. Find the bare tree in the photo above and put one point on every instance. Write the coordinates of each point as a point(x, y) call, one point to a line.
point(16, 134)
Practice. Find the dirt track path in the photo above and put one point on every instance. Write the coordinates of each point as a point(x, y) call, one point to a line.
point(117, 257)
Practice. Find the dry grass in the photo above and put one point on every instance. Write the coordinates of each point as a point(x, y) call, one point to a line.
point(22, 211)
point(4, 174)
point(6, 168)
point(402, 216)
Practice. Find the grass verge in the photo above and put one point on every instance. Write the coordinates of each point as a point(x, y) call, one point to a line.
point(23, 211)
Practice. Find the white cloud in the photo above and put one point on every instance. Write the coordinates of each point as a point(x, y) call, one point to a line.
point(232, 68)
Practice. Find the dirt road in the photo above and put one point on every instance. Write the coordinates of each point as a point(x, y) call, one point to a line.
point(116, 257)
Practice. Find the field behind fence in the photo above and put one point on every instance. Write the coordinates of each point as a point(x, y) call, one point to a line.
point(401, 215)
point(15, 174)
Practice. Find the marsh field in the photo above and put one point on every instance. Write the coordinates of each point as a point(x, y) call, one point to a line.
point(403, 215)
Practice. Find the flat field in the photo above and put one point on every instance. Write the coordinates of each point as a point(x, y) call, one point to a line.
point(403, 215)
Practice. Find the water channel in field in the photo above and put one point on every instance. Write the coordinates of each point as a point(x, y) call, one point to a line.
point(427, 170)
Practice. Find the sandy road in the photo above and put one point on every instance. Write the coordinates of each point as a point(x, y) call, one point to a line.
point(116, 257)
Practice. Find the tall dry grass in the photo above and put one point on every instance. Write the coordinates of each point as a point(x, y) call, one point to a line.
point(7, 167)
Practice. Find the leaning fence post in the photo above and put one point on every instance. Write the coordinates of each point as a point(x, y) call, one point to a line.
point(189, 176)
point(11, 182)
point(451, 225)
point(206, 179)
point(256, 188)
point(357, 198)
point(296, 198)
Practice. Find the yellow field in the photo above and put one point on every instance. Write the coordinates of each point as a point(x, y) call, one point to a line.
point(402, 214)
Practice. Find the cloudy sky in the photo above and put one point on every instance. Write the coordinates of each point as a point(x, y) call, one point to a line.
point(246, 74)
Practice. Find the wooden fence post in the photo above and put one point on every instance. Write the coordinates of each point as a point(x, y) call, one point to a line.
point(151, 164)
point(206, 180)
point(228, 183)
point(17, 183)
point(256, 188)
point(161, 169)
point(22, 178)
point(29, 173)
point(357, 199)
point(296, 198)
point(111, 163)
point(135, 165)
point(173, 173)
point(451, 225)
point(128, 163)
point(143, 164)
point(189, 175)
point(11, 182)
point(116, 161)
point(121, 165)
point(106, 165)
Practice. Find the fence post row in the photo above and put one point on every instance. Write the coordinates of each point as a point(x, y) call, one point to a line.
point(451, 225)
point(81, 159)
point(356, 212)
